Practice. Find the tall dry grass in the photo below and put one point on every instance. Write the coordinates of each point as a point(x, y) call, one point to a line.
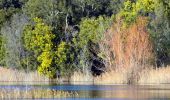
point(155, 76)
point(34, 94)
point(16, 76)
point(112, 77)
point(146, 76)
point(81, 78)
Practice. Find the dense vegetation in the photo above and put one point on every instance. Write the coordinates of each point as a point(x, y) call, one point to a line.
point(96, 36)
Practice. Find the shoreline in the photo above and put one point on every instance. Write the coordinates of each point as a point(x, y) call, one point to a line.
point(147, 77)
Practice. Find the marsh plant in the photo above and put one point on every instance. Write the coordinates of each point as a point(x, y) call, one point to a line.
point(34, 94)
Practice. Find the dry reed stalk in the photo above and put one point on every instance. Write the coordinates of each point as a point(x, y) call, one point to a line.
point(9, 75)
point(34, 94)
point(112, 77)
point(146, 76)
point(81, 78)
point(155, 76)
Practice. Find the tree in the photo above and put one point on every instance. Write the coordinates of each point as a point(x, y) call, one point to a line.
point(12, 41)
point(88, 40)
point(160, 31)
point(63, 14)
point(8, 8)
point(52, 12)
point(132, 10)
point(64, 58)
point(42, 50)
point(44, 9)
point(50, 58)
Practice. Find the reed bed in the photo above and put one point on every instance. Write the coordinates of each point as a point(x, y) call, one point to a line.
point(16, 76)
point(149, 75)
point(146, 76)
point(112, 77)
point(81, 78)
point(155, 76)
point(34, 94)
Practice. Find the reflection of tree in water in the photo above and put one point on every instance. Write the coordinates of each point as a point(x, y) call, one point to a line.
point(90, 94)
point(95, 94)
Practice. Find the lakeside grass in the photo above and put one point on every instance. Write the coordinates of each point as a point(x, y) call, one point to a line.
point(81, 78)
point(147, 76)
point(16, 76)
point(34, 94)
point(155, 76)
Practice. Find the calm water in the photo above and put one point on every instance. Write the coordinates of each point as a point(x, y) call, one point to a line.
point(108, 92)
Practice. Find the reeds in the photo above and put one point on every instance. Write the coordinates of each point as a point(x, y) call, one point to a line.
point(155, 76)
point(16, 76)
point(146, 76)
point(112, 77)
point(34, 94)
point(81, 78)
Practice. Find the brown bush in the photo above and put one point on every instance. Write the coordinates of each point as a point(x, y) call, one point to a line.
point(131, 47)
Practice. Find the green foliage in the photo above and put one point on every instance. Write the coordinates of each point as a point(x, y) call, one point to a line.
point(129, 12)
point(92, 29)
point(160, 29)
point(38, 38)
point(133, 9)
point(2, 18)
point(61, 53)
point(52, 12)
point(91, 33)
point(2, 52)
point(64, 58)
point(55, 12)
point(8, 8)
point(40, 34)
point(6, 14)
point(45, 67)
point(11, 37)
point(145, 6)
point(39, 8)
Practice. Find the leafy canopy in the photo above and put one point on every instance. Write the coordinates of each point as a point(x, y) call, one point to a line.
point(38, 38)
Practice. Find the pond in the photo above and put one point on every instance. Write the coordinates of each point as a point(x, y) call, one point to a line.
point(100, 92)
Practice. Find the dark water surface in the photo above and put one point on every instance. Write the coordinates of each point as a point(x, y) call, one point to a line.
point(108, 92)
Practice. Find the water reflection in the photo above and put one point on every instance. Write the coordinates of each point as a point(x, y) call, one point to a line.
point(117, 92)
